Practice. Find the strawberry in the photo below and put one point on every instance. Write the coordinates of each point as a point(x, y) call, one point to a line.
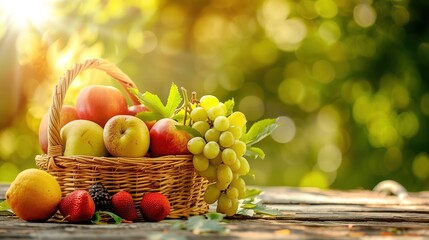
point(154, 206)
point(77, 206)
point(122, 204)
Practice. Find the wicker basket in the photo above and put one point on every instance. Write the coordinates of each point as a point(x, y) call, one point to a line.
point(173, 176)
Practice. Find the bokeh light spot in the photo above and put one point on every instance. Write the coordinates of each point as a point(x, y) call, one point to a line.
point(275, 10)
point(329, 31)
point(364, 15)
point(323, 71)
point(264, 52)
point(424, 104)
point(252, 107)
point(421, 166)
point(290, 33)
point(328, 118)
point(329, 158)
point(408, 124)
point(8, 172)
point(400, 15)
point(291, 91)
point(392, 159)
point(231, 78)
point(286, 130)
point(314, 179)
point(8, 144)
point(326, 8)
point(311, 101)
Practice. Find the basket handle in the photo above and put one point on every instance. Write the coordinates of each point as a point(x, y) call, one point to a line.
point(55, 147)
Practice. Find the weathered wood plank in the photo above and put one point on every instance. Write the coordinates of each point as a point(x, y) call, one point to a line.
point(285, 195)
point(308, 213)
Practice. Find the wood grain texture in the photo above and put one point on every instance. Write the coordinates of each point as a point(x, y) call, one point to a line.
point(307, 214)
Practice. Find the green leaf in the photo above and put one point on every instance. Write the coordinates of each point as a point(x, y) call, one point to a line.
point(150, 100)
point(229, 106)
point(209, 223)
point(214, 216)
point(199, 224)
point(258, 208)
point(173, 101)
point(155, 105)
point(249, 206)
point(190, 130)
point(252, 193)
point(5, 208)
point(115, 217)
point(259, 130)
point(264, 210)
point(254, 152)
point(96, 218)
point(149, 116)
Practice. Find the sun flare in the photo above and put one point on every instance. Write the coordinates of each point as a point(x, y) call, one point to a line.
point(22, 13)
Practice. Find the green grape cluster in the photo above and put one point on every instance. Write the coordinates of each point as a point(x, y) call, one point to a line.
point(219, 153)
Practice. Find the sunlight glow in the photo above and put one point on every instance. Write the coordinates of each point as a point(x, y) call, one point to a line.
point(22, 13)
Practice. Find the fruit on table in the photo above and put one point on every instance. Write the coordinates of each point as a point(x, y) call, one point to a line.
point(123, 206)
point(100, 195)
point(136, 109)
point(99, 103)
point(77, 207)
point(34, 195)
point(154, 206)
point(126, 136)
point(83, 137)
point(68, 113)
point(166, 139)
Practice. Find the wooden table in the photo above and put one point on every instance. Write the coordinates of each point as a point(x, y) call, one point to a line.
point(307, 213)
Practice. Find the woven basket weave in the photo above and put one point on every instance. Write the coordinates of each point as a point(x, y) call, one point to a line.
point(173, 175)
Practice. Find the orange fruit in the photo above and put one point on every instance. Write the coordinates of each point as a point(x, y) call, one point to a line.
point(34, 195)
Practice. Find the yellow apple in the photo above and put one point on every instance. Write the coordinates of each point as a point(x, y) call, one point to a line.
point(126, 136)
point(83, 137)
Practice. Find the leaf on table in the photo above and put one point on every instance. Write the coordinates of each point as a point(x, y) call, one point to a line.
point(97, 217)
point(209, 223)
point(252, 193)
point(5, 208)
point(214, 216)
point(115, 217)
point(252, 206)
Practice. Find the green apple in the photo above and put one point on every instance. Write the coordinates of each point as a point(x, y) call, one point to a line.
point(83, 137)
point(126, 136)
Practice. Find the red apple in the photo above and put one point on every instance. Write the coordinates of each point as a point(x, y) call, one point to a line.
point(166, 139)
point(68, 114)
point(99, 103)
point(135, 109)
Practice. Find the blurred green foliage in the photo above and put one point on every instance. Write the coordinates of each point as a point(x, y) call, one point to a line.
point(347, 79)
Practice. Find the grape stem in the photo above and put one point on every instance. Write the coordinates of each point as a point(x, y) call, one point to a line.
point(187, 104)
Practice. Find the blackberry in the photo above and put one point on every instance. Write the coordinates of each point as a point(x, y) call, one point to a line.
point(101, 196)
